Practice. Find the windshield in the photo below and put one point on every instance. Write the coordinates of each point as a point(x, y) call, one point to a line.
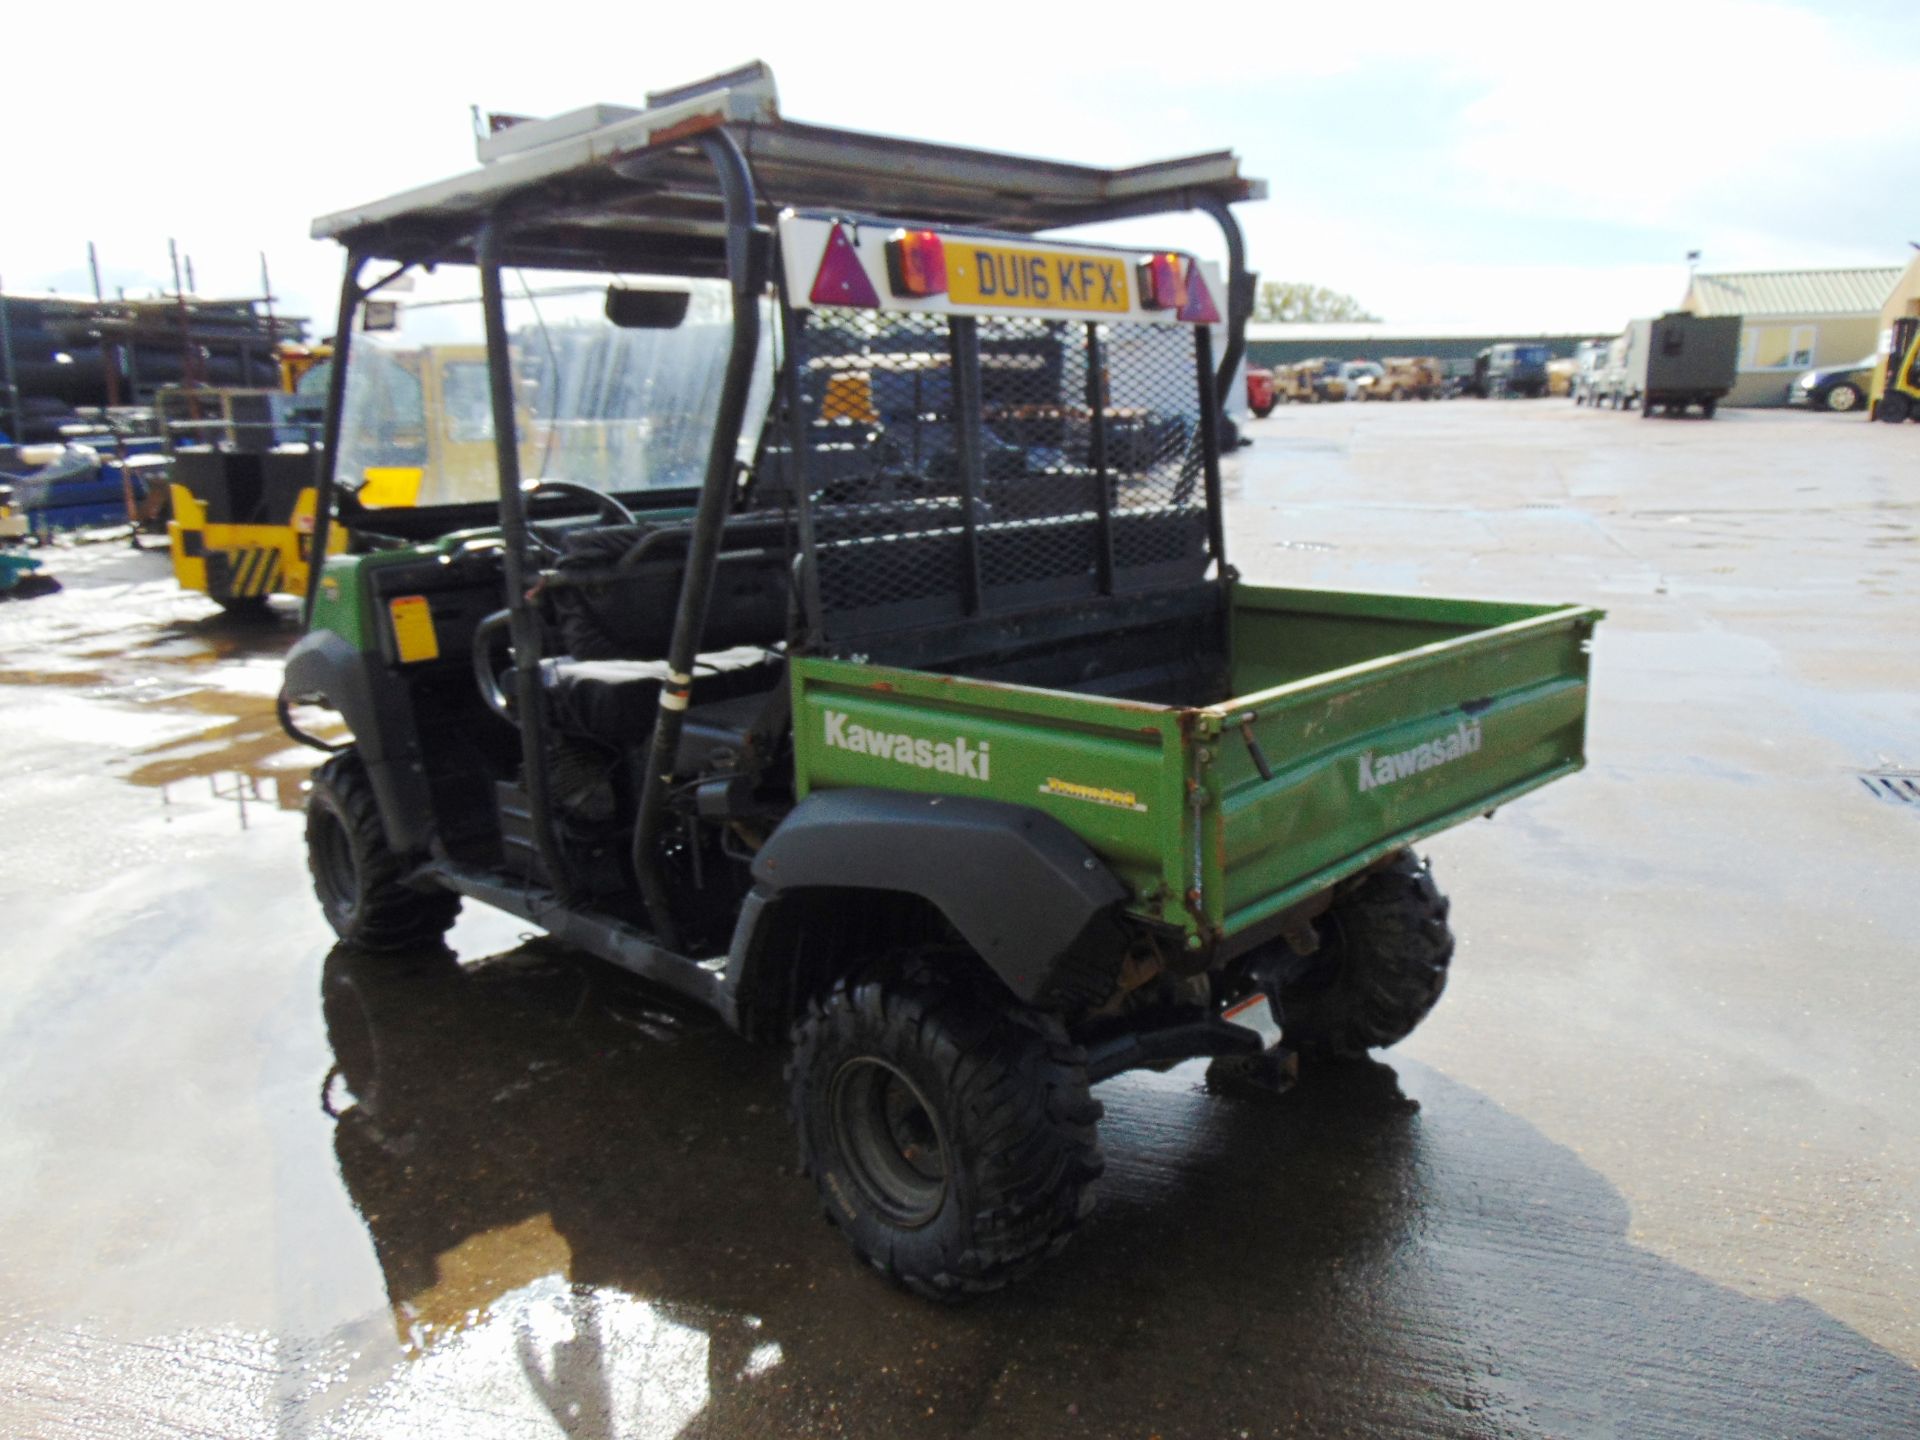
point(618, 410)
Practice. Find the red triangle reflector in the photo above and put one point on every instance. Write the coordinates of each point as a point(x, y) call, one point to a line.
point(1199, 307)
point(842, 279)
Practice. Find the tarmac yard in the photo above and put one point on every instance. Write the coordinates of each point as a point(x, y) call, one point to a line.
point(1651, 1169)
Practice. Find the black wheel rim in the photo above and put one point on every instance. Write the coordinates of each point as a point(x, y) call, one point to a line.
point(891, 1139)
point(333, 862)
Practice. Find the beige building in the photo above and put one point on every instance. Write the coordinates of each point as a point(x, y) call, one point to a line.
point(1904, 298)
point(1792, 320)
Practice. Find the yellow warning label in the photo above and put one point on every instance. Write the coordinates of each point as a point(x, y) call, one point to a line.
point(1098, 794)
point(413, 635)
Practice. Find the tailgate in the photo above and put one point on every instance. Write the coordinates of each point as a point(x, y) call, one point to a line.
point(1476, 703)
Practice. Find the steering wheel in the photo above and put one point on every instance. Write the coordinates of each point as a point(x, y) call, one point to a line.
point(609, 508)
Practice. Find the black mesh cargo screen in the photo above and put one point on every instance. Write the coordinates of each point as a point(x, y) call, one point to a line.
point(954, 468)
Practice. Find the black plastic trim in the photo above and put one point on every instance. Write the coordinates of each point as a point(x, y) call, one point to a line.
point(1025, 892)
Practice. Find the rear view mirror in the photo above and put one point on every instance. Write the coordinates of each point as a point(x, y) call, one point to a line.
point(646, 309)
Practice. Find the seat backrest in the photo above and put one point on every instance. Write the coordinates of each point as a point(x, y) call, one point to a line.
point(606, 610)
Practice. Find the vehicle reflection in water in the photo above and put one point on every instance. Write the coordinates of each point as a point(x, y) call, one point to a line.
point(502, 1129)
point(544, 1149)
point(581, 1198)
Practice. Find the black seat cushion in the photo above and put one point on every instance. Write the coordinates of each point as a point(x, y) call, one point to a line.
point(617, 701)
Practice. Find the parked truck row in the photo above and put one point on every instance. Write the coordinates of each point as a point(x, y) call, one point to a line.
point(1321, 380)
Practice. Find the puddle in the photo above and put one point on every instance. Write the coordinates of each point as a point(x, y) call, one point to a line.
point(220, 739)
point(243, 759)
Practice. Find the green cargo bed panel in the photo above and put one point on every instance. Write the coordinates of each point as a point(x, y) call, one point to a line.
point(1380, 719)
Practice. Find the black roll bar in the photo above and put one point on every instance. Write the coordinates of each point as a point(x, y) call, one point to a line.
point(746, 269)
point(1239, 292)
point(522, 621)
point(323, 460)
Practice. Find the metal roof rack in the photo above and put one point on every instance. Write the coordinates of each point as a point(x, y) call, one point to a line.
point(579, 183)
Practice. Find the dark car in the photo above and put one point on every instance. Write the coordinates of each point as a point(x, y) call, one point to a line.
point(1833, 387)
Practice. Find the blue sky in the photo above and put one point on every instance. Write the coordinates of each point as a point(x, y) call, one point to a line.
point(1507, 164)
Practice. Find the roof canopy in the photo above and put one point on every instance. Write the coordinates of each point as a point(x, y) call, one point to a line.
point(636, 183)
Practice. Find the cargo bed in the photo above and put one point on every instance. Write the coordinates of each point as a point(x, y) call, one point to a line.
point(1348, 726)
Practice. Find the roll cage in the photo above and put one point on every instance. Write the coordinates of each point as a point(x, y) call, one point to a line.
point(695, 186)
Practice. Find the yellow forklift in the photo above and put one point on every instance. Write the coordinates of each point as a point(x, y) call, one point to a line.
point(244, 462)
point(1896, 379)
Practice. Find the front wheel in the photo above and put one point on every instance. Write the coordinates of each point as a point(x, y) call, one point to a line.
point(1385, 948)
point(356, 875)
point(950, 1130)
point(1894, 408)
point(1844, 397)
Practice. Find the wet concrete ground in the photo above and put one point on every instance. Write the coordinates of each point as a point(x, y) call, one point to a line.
point(1661, 1181)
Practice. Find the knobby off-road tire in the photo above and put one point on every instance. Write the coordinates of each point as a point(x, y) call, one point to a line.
point(1384, 952)
point(949, 1129)
point(356, 876)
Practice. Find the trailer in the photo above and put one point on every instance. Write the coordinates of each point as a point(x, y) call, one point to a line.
point(1680, 360)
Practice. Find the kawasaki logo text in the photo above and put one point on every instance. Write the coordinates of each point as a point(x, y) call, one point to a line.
point(1378, 770)
point(957, 756)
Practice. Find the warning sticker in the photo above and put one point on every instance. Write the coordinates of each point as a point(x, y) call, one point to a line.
point(413, 634)
point(1098, 794)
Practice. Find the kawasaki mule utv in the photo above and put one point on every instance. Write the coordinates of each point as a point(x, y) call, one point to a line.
point(850, 645)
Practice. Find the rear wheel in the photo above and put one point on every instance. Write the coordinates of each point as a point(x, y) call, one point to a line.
point(1385, 948)
point(356, 876)
point(245, 607)
point(1262, 411)
point(949, 1129)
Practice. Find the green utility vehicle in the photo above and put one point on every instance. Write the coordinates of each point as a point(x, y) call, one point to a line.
point(852, 647)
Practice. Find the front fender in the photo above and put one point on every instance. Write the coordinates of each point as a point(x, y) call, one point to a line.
point(325, 668)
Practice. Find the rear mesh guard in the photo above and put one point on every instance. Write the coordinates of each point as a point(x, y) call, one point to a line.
point(954, 468)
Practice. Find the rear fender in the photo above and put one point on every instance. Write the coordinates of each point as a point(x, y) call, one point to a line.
point(1025, 893)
